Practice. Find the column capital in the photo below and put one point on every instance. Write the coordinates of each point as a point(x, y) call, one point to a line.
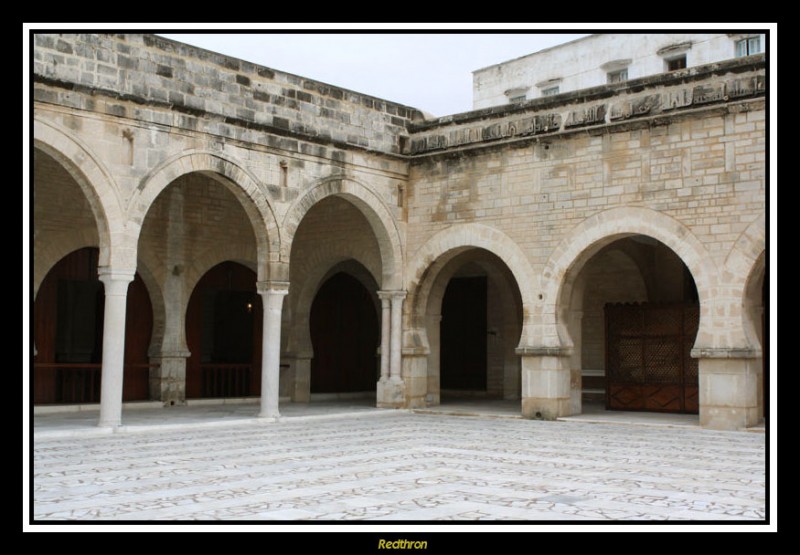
point(392, 294)
point(272, 287)
point(107, 274)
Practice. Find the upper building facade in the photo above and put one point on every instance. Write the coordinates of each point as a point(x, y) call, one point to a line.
point(204, 227)
point(604, 59)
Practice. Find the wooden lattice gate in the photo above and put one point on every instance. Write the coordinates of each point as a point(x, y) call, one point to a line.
point(648, 362)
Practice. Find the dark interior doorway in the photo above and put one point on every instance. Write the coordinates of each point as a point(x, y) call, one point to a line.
point(463, 352)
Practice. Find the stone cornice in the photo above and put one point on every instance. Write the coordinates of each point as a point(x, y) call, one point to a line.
point(587, 112)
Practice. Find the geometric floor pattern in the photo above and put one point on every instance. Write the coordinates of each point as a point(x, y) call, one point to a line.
point(399, 466)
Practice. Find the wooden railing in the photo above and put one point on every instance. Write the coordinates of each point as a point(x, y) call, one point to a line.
point(80, 382)
point(226, 380)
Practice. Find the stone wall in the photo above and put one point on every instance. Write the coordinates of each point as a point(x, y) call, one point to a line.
point(668, 147)
point(175, 185)
point(208, 90)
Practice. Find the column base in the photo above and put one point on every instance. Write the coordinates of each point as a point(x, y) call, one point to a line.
point(728, 391)
point(537, 408)
point(726, 418)
point(391, 394)
point(168, 381)
point(546, 377)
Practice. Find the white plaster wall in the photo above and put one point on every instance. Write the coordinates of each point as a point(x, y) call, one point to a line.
point(578, 63)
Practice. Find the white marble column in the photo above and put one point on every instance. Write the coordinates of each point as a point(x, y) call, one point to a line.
point(272, 294)
point(396, 335)
point(115, 284)
point(385, 297)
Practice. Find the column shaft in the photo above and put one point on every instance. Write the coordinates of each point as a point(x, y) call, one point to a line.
point(272, 295)
point(115, 284)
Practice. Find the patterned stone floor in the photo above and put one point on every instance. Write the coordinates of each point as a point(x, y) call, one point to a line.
point(399, 466)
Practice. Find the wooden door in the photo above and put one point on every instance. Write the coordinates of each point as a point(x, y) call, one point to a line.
point(138, 332)
point(68, 331)
point(648, 357)
point(344, 336)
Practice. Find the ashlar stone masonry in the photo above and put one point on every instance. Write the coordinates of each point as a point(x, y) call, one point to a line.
point(178, 165)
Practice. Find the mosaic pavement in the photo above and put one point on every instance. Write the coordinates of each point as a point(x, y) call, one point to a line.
point(399, 466)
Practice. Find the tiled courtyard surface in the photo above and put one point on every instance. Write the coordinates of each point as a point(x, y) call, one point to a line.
point(400, 466)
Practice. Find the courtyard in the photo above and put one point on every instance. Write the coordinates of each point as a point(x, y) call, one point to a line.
point(340, 462)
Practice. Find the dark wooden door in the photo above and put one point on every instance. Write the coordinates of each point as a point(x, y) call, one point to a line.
point(648, 357)
point(68, 331)
point(463, 335)
point(138, 332)
point(344, 335)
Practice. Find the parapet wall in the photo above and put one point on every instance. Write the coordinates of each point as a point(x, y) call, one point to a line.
point(147, 69)
point(601, 108)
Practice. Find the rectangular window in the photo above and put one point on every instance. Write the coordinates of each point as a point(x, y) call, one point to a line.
point(676, 63)
point(748, 46)
point(618, 76)
point(550, 91)
point(517, 99)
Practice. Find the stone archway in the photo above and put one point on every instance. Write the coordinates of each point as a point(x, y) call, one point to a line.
point(237, 180)
point(194, 211)
point(99, 190)
point(510, 278)
point(591, 235)
point(429, 260)
point(380, 219)
point(335, 234)
point(631, 340)
point(549, 381)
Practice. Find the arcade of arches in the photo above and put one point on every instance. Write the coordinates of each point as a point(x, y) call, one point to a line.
point(178, 255)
